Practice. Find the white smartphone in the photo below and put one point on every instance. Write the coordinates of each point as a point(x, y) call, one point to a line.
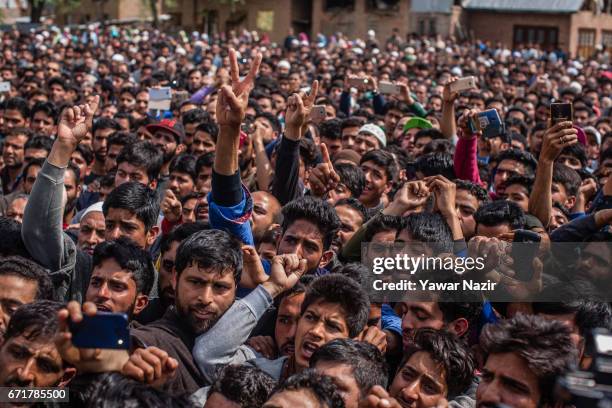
point(317, 114)
point(5, 87)
point(388, 88)
point(160, 98)
point(463, 84)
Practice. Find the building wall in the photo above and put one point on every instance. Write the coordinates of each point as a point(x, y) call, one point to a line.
point(114, 9)
point(588, 20)
point(356, 23)
point(499, 27)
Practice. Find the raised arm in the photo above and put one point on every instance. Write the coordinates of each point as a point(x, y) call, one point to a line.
point(555, 140)
point(43, 216)
point(286, 173)
point(448, 126)
point(229, 203)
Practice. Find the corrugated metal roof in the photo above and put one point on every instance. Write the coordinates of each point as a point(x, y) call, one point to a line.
point(537, 6)
point(431, 6)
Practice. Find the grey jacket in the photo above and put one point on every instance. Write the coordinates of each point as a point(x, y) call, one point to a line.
point(44, 238)
point(224, 342)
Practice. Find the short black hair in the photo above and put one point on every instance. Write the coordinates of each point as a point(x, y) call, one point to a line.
point(185, 163)
point(432, 229)
point(383, 222)
point(210, 249)
point(143, 154)
point(18, 104)
point(270, 117)
point(589, 314)
point(568, 177)
point(355, 205)
point(316, 211)
point(113, 390)
point(352, 177)
point(331, 129)
point(432, 164)
point(35, 321)
point(208, 127)
point(366, 361)
point(122, 138)
point(520, 156)
point(39, 161)
point(341, 290)
point(196, 115)
point(434, 134)
point(205, 160)
point(48, 108)
point(86, 152)
point(136, 198)
point(474, 189)
point(383, 159)
point(576, 150)
point(11, 242)
point(524, 181)
point(39, 142)
point(444, 348)
point(105, 123)
point(245, 385)
point(180, 233)
point(500, 212)
point(30, 271)
point(321, 386)
point(129, 257)
point(545, 346)
point(351, 122)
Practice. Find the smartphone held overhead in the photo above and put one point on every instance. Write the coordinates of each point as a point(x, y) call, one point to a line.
point(103, 331)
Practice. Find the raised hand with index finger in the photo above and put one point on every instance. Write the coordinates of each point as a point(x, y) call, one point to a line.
point(323, 177)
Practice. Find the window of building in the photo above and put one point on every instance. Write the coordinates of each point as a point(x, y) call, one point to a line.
point(606, 40)
point(383, 5)
point(333, 4)
point(546, 37)
point(586, 42)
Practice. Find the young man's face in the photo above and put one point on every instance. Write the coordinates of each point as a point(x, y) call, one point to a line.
point(91, 231)
point(264, 208)
point(506, 379)
point(466, 205)
point(203, 183)
point(350, 221)
point(517, 194)
point(202, 143)
point(128, 172)
point(166, 143)
point(559, 195)
point(13, 118)
point(166, 274)
point(26, 362)
point(349, 135)
point(420, 383)
point(419, 315)
point(15, 291)
point(181, 184)
point(124, 223)
point(43, 124)
point(419, 145)
point(111, 157)
point(570, 161)
point(493, 231)
point(203, 295)
point(344, 378)
point(304, 239)
point(99, 143)
point(320, 323)
point(365, 142)
point(376, 185)
point(113, 289)
point(13, 151)
point(286, 323)
point(505, 169)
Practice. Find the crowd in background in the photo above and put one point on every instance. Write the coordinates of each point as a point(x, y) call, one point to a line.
point(229, 227)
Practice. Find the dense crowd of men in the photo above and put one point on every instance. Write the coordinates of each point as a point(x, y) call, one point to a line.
point(229, 228)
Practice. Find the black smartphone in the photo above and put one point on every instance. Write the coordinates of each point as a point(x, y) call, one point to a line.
point(561, 112)
point(103, 330)
point(525, 246)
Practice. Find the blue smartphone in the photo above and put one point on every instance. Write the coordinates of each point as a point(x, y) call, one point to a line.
point(488, 122)
point(103, 330)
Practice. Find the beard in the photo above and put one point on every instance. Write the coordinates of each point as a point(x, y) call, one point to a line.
point(197, 325)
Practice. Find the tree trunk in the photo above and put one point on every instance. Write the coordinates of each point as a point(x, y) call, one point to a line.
point(153, 4)
point(36, 9)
